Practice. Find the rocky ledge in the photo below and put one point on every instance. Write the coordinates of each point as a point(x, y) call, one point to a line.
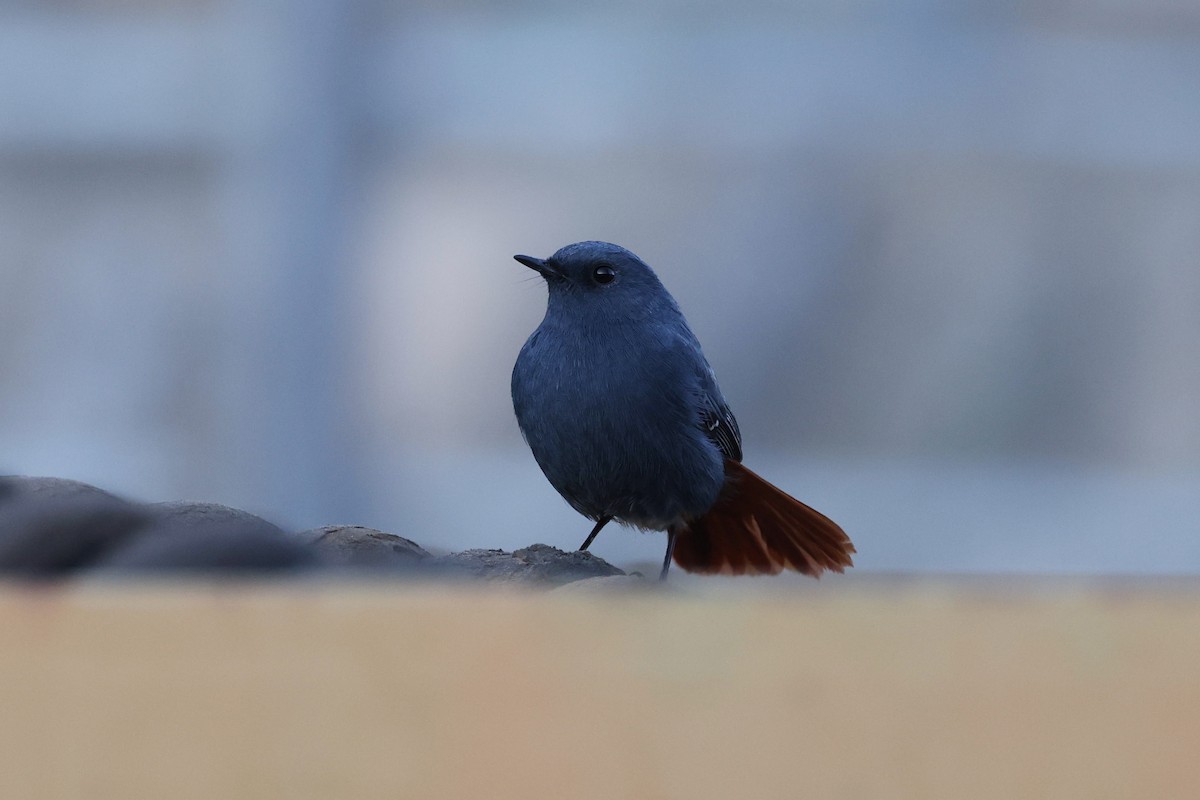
point(52, 528)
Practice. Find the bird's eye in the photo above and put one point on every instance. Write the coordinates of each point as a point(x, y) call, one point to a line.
point(604, 274)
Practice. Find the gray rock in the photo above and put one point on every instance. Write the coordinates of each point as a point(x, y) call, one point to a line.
point(200, 517)
point(356, 546)
point(46, 533)
point(234, 548)
point(538, 564)
point(612, 584)
point(208, 538)
point(48, 490)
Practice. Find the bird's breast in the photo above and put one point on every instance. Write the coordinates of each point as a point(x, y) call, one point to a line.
point(610, 417)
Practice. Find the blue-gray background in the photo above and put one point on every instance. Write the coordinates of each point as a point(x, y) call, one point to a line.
point(944, 258)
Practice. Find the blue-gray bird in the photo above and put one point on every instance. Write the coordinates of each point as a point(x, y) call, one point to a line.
point(624, 416)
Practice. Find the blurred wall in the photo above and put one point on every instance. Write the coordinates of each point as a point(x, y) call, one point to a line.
point(261, 255)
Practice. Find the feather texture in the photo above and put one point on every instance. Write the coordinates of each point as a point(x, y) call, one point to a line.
point(757, 529)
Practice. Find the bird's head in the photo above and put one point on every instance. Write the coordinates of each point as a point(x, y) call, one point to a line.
point(599, 275)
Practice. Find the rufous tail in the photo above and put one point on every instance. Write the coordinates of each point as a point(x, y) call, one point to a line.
point(757, 529)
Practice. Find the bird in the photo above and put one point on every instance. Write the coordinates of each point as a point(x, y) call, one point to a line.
point(623, 415)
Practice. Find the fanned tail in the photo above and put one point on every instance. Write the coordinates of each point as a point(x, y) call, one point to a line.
point(757, 529)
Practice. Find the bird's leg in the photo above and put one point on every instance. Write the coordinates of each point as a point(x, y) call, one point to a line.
point(662, 576)
point(600, 523)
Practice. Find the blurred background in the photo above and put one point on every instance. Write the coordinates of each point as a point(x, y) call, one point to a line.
point(946, 264)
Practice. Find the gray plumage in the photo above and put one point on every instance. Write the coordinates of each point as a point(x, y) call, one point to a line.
point(625, 418)
point(614, 396)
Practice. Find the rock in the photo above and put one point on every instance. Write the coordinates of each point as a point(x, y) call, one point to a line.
point(209, 538)
point(49, 489)
point(57, 529)
point(356, 546)
point(54, 526)
point(538, 564)
point(180, 516)
point(612, 584)
point(230, 548)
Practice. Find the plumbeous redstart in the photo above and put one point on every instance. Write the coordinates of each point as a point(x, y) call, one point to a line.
point(625, 418)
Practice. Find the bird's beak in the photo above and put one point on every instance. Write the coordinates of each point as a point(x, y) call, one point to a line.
point(540, 265)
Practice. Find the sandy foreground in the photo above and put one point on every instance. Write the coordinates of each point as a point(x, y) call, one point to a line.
point(916, 688)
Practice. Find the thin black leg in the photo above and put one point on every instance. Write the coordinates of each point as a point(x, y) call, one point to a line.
point(662, 576)
point(599, 524)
